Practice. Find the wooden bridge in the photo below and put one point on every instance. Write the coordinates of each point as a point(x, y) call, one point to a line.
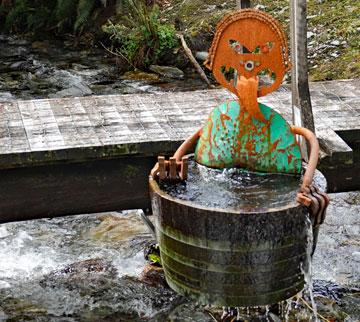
point(93, 154)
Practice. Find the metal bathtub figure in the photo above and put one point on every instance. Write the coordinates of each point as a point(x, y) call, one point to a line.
point(244, 133)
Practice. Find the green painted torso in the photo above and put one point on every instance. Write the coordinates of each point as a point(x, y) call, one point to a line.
point(231, 137)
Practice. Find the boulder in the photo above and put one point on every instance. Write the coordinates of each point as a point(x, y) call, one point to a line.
point(167, 71)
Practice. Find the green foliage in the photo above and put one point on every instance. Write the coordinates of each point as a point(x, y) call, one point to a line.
point(140, 37)
point(58, 15)
point(84, 10)
point(152, 254)
point(17, 15)
point(65, 13)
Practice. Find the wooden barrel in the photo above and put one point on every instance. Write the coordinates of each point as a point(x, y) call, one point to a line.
point(231, 258)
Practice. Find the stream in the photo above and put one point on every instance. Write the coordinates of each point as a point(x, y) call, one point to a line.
point(92, 267)
point(34, 69)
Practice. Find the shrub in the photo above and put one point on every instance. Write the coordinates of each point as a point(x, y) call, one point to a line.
point(140, 37)
point(57, 15)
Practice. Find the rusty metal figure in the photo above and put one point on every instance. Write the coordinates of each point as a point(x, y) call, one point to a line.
point(248, 44)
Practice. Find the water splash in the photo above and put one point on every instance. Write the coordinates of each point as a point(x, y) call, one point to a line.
point(234, 188)
point(307, 269)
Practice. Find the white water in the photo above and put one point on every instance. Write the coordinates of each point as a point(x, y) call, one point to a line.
point(29, 250)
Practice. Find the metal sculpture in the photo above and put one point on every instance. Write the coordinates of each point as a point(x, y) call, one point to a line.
point(247, 44)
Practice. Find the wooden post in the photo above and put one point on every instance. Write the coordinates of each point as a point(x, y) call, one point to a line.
point(301, 101)
point(242, 4)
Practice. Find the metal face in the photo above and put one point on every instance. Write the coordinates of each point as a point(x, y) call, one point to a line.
point(247, 43)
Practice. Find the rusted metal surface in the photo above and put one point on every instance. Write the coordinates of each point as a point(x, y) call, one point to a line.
point(229, 139)
point(266, 46)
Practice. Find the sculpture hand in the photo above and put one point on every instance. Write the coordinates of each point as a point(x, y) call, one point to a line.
point(316, 201)
point(176, 167)
point(171, 169)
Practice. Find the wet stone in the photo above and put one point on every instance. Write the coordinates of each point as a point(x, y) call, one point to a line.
point(88, 274)
point(188, 312)
point(167, 71)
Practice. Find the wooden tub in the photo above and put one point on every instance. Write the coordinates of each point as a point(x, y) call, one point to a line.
point(231, 257)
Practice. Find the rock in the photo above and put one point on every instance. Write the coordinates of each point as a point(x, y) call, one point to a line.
point(76, 90)
point(42, 46)
point(21, 310)
point(187, 312)
point(20, 65)
point(18, 42)
point(167, 71)
point(118, 227)
point(310, 34)
point(210, 8)
point(260, 7)
point(90, 274)
point(3, 231)
point(201, 55)
point(79, 67)
point(335, 43)
point(139, 75)
point(153, 276)
point(6, 96)
point(11, 52)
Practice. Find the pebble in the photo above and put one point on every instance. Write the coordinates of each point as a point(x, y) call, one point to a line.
point(356, 255)
point(3, 232)
point(335, 43)
point(260, 7)
point(77, 90)
point(309, 34)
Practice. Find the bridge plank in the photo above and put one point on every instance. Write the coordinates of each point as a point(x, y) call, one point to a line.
point(119, 123)
point(98, 122)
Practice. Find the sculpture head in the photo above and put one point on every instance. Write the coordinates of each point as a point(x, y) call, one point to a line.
point(249, 43)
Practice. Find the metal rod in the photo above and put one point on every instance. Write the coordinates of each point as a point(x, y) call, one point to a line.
point(301, 101)
point(242, 4)
point(148, 223)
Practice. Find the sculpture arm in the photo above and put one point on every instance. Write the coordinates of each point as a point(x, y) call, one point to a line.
point(314, 154)
point(180, 152)
point(189, 143)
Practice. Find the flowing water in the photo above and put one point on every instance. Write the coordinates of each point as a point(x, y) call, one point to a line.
point(235, 188)
point(31, 70)
point(92, 268)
